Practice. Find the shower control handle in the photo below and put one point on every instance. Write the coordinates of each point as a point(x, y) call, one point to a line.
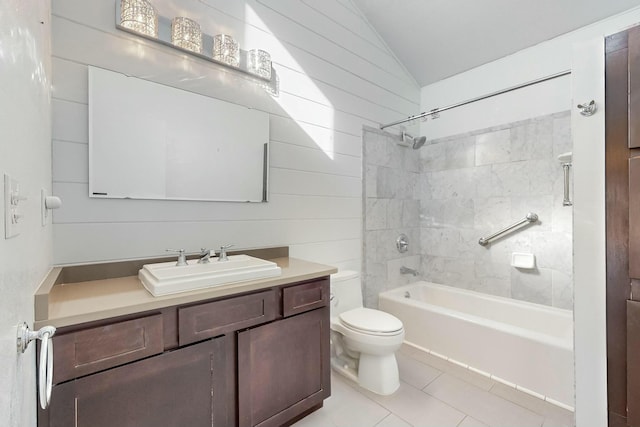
point(402, 243)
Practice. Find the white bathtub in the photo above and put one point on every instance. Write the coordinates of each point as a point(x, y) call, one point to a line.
point(518, 343)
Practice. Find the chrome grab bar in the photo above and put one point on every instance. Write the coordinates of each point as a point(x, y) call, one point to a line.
point(531, 217)
point(567, 200)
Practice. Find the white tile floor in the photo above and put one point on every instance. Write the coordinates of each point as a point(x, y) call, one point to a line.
point(434, 392)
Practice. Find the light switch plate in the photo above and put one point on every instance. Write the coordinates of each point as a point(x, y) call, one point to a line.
point(11, 215)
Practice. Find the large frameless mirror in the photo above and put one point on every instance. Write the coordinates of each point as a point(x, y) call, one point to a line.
point(151, 141)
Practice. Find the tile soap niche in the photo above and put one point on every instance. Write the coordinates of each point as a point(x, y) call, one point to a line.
point(523, 260)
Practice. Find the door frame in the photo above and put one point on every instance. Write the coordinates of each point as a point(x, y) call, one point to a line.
point(589, 258)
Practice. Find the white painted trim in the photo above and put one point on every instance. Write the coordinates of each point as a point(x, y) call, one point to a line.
point(589, 256)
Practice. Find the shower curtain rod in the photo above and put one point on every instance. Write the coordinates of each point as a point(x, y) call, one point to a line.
point(479, 98)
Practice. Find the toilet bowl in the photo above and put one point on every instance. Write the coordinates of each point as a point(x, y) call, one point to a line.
point(363, 340)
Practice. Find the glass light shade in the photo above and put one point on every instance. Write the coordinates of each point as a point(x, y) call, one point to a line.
point(139, 16)
point(186, 34)
point(260, 63)
point(272, 87)
point(225, 49)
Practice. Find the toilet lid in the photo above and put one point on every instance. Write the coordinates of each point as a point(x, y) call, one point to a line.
point(371, 321)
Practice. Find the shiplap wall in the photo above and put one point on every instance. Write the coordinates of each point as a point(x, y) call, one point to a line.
point(336, 75)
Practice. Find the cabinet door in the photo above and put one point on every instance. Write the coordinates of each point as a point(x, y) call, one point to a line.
point(185, 387)
point(622, 160)
point(283, 369)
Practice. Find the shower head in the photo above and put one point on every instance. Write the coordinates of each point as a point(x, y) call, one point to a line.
point(416, 142)
point(565, 157)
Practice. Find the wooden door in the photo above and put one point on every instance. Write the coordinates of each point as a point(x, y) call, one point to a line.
point(283, 369)
point(622, 152)
point(184, 387)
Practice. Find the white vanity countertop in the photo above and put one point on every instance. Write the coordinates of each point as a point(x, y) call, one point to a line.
point(80, 302)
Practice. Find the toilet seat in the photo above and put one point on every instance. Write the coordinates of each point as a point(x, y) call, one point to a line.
point(371, 322)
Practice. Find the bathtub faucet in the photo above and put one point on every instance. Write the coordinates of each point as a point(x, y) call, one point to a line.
point(407, 270)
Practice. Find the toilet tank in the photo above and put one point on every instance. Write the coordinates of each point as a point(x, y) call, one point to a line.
point(346, 291)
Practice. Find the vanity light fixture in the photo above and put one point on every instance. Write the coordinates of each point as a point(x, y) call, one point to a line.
point(225, 49)
point(260, 63)
point(139, 16)
point(185, 33)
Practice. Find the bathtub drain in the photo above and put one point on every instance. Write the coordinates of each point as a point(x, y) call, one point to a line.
point(407, 294)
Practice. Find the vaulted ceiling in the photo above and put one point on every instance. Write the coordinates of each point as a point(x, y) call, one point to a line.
point(435, 39)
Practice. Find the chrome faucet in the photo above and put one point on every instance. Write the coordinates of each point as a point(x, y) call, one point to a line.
point(205, 254)
point(182, 257)
point(223, 253)
point(407, 270)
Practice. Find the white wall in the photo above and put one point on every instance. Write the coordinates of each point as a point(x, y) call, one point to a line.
point(539, 61)
point(335, 76)
point(25, 154)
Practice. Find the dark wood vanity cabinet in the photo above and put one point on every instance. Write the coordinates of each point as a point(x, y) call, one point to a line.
point(283, 367)
point(257, 359)
point(183, 387)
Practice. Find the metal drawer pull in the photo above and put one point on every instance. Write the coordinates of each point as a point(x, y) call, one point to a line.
point(45, 367)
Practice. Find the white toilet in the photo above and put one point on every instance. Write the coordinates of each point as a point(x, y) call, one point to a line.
point(363, 340)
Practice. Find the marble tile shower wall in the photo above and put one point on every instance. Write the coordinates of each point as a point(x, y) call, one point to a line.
point(474, 184)
point(391, 206)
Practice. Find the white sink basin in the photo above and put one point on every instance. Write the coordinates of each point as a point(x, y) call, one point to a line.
point(167, 278)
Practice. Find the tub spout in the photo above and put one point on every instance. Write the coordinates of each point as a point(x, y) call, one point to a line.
point(407, 270)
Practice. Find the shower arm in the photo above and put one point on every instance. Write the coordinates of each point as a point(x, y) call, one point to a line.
point(435, 111)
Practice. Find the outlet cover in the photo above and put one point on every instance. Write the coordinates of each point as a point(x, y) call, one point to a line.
point(11, 215)
point(44, 214)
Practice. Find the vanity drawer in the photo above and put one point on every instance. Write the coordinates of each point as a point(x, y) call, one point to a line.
point(95, 349)
point(307, 296)
point(202, 321)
